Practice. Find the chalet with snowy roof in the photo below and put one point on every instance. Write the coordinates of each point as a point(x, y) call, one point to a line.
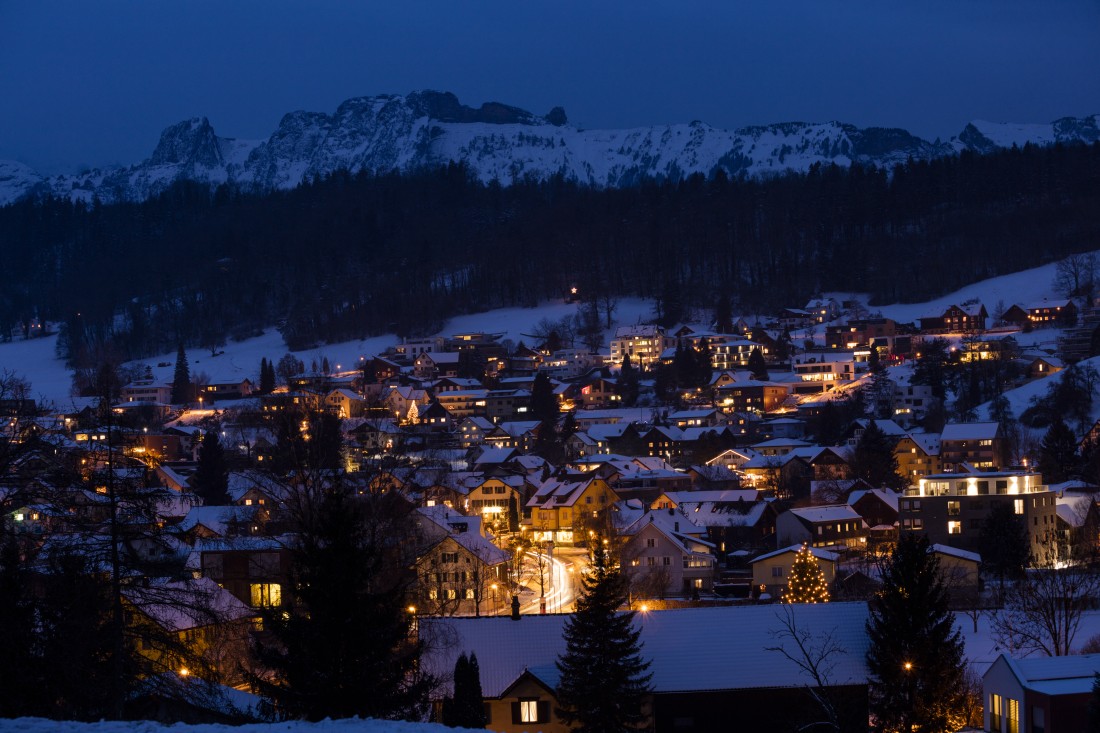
point(738, 525)
point(831, 526)
point(472, 431)
point(772, 571)
point(820, 371)
point(226, 390)
point(459, 565)
point(713, 478)
point(377, 436)
point(492, 498)
point(823, 309)
point(345, 403)
point(951, 508)
point(1078, 525)
point(1061, 313)
point(595, 393)
point(221, 521)
point(433, 417)
point(968, 318)
point(732, 458)
point(518, 434)
point(789, 474)
point(400, 401)
point(695, 686)
point(697, 418)
point(643, 344)
point(1048, 694)
point(664, 553)
point(433, 365)
point(795, 318)
point(918, 456)
point(1044, 366)
point(979, 444)
point(563, 510)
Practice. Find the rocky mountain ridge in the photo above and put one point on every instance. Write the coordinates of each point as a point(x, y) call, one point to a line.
point(507, 144)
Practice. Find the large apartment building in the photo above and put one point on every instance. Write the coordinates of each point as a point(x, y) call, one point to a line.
point(951, 508)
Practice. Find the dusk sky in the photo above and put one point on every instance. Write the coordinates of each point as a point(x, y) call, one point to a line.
point(88, 84)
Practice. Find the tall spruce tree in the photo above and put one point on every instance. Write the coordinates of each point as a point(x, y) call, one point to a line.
point(604, 678)
point(916, 653)
point(628, 383)
point(267, 376)
point(874, 461)
point(807, 581)
point(1058, 459)
point(211, 478)
point(181, 380)
point(757, 367)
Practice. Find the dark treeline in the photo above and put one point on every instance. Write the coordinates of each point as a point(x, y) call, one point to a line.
point(354, 255)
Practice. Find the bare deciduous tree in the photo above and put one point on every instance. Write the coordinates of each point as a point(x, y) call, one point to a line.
point(1043, 611)
point(816, 655)
point(1076, 275)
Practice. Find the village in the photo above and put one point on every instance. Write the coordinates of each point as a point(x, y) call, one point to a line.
point(712, 459)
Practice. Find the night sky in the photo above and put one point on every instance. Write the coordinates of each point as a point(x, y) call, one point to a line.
point(87, 84)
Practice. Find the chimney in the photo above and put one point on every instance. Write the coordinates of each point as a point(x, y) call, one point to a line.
point(515, 608)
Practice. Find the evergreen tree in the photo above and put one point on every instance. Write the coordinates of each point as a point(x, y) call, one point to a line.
point(723, 314)
point(211, 478)
point(757, 366)
point(546, 409)
point(348, 576)
point(628, 383)
point(267, 376)
point(874, 461)
point(465, 708)
point(916, 653)
point(20, 666)
point(1058, 459)
point(181, 381)
point(513, 515)
point(807, 581)
point(874, 362)
point(934, 367)
point(604, 679)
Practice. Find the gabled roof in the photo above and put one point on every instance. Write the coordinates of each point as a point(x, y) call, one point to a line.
point(690, 648)
point(827, 513)
point(886, 496)
point(1069, 675)
point(815, 551)
point(969, 431)
point(216, 518)
point(956, 552)
point(187, 604)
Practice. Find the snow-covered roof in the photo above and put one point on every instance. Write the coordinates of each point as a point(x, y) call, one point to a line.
point(827, 513)
point(690, 648)
point(216, 518)
point(817, 552)
point(956, 552)
point(188, 604)
point(1068, 675)
point(969, 431)
point(888, 497)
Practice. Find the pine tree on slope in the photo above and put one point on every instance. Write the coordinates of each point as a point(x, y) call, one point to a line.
point(603, 676)
point(181, 380)
point(211, 478)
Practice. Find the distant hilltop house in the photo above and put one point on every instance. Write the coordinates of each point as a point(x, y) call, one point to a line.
point(956, 319)
point(1061, 313)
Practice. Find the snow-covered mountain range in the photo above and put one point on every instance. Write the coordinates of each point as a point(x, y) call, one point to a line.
point(499, 142)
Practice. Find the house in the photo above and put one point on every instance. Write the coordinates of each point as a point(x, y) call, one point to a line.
point(1048, 694)
point(821, 371)
point(643, 344)
point(951, 508)
point(562, 510)
point(967, 318)
point(345, 403)
point(771, 572)
point(231, 390)
point(1044, 366)
point(831, 525)
point(823, 309)
point(695, 686)
point(918, 456)
point(492, 498)
point(432, 365)
point(254, 569)
point(740, 524)
point(463, 403)
point(664, 553)
point(961, 572)
point(979, 444)
point(1061, 313)
point(146, 390)
point(400, 401)
point(752, 396)
point(457, 571)
point(472, 431)
point(859, 332)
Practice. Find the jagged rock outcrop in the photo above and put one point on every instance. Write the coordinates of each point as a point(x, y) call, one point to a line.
point(504, 143)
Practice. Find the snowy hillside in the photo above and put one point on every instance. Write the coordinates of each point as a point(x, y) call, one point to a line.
point(498, 142)
point(354, 725)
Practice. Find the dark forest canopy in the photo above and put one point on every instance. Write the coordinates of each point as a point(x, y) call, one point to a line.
point(350, 256)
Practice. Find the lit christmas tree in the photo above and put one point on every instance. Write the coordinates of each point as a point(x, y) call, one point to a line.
point(807, 583)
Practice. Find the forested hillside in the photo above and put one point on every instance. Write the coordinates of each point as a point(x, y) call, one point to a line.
point(350, 256)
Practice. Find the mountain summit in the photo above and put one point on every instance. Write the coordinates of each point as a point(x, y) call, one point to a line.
point(504, 143)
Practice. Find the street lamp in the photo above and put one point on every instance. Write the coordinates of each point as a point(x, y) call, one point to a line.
point(493, 588)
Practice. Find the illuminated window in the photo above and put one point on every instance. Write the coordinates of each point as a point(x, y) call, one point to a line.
point(266, 594)
point(1018, 506)
point(954, 528)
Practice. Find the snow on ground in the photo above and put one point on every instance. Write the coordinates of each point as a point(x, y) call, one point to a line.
point(1021, 397)
point(51, 380)
point(982, 650)
point(350, 725)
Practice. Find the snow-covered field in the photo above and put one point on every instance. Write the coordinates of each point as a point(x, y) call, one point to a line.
point(51, 381)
